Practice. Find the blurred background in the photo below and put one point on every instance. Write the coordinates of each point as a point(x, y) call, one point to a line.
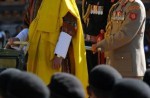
point(11, 17)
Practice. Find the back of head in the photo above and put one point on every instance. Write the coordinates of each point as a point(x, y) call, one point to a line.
point(146, 77)
point(102, 79)
point(5, 77)
point(24, 85)
point(131, 88)
point(64, 85)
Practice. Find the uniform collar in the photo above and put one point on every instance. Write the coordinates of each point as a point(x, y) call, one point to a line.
point(123, 2)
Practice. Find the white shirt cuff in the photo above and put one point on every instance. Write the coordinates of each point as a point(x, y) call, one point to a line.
point(23, 34)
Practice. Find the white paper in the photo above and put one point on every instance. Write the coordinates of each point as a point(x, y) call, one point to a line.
point(63, 44)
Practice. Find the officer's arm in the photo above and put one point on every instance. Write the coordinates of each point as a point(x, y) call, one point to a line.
point(129, 29)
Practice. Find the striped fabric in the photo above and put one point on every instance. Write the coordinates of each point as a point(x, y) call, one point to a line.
point(31, 11)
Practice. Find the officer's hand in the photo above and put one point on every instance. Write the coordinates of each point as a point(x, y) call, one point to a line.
point(11, 42)
point(94, 48)
point(57, 63)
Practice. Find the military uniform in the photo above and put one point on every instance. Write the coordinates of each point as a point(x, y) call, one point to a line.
point(123, 43)
point(95, 13)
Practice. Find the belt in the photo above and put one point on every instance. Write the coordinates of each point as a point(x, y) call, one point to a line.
point(90, 38)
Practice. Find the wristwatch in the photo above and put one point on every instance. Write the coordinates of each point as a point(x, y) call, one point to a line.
point(58, 56)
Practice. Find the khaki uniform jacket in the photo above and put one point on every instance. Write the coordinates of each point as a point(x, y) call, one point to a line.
point(123, 43)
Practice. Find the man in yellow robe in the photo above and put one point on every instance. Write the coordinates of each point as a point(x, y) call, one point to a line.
point(44, 34)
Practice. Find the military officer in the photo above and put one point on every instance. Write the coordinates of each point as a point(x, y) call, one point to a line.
point(123, 42)
point(94, 13)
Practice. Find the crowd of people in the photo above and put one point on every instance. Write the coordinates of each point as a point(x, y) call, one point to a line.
point(59, 65)
point(104, 82)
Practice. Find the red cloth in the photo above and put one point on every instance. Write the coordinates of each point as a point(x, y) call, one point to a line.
point(33, 6)
point(101, 57)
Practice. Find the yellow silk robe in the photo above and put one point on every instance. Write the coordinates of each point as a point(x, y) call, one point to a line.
point(43, 36)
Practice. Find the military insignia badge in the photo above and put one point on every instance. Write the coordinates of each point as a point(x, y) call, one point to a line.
point(119, 13)
point(95, 9)
point(133, 16)
point(92, 9)
point(100, 10)
point(113, 15)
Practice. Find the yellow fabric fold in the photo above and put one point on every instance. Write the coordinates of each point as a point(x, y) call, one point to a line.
point(43, 36)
